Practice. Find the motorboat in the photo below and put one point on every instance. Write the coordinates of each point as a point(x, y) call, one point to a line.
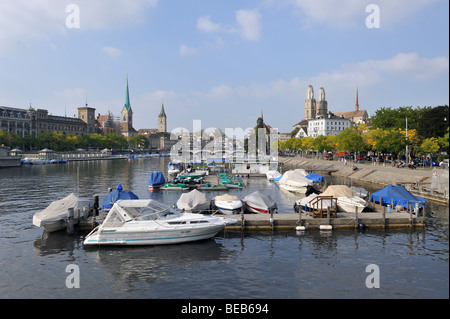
point(228, 203)
point(54, 217)
point(175, 187)
point(210, 187)
point(148, 222)
point(271, 175)
point(33, 161)
point(316, 178)
point(295, 181)
point(361, 192)
point(231, 181)
point(193, 202)
point(347, 199)
point(350, 204)
point(116, 195)
point(397, 196)
point(315, 202)
point(174, 168)
point(258, 202)
point(156, 180)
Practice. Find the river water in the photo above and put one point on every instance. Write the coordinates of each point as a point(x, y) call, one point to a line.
point(412, 263)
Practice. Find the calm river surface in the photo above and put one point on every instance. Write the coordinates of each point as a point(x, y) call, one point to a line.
point(256, 265)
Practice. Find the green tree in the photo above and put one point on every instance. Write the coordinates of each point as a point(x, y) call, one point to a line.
point(350, 140)
point(387, 118)
point(433, 122)
point(430, 146)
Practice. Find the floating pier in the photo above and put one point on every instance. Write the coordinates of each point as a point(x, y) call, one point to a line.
point(343, 220)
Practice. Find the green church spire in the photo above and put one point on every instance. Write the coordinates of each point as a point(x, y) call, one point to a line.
point(127, 98)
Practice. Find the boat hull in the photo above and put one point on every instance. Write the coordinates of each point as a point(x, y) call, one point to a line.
point(228, 207)
point(154, 237)
point(294, 189)
point(348, 206)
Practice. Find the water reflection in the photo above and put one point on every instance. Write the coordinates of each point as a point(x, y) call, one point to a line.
point(131, 265)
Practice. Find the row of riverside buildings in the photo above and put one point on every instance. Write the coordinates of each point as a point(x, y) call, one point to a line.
point(318, 120)
point(33, 121)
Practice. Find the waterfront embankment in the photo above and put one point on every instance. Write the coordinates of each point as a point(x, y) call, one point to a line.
point(430, 183)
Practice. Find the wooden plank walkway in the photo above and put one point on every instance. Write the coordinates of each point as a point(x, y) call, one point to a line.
point(343, 220)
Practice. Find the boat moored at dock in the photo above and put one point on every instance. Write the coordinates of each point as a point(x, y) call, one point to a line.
point(148, 222)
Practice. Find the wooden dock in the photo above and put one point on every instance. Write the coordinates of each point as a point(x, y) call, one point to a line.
point(343, 220)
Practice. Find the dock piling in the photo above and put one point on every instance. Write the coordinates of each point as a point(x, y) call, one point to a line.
point(70, 221)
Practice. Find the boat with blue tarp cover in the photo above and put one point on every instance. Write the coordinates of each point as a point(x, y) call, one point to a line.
point(156, 179)
point(396, 195)
point(114, 196)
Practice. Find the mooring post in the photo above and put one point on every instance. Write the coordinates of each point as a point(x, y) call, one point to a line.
point(411, 218)
point(271, 218)
point(242, 218)
point(85, 214)
point(384, 216)
point(70, 221)
point(95, 209)
point(423, 215)
point(328, 215)
point(356, 214)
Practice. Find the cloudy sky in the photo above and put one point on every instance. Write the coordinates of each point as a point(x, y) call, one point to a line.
point(222, 62)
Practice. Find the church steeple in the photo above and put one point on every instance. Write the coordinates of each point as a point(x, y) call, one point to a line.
point(357, 104)
point(162, 120)
point(127, 113)
point(127, 104)
point(162, 113)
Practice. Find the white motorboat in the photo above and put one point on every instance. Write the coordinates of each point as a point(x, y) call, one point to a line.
point(174, 168)
point(194, 201)
point(271, 175)
point(54, 217)
point(347, 199)
point(350, 204)
point(228, 204)
point(258, 202)
point(148, 222)
point(361, 192)
point(314, 202)
point(295, 181)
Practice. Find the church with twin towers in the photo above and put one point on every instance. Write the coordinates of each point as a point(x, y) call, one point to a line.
point(318, 120)
point(315, 108)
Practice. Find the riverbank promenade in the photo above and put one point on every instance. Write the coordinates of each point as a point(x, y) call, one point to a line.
point(430, 183)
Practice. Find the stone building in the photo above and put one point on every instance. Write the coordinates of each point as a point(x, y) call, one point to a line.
point(159, 138)
point(32, 121)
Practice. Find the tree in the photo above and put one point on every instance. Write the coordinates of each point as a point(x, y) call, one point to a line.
point(433, 122)
point(386, 118)
point(349, 140)
point(139, 141)
point(429, 146)
point(319, 143)
point(10, 139)
point(443, 142)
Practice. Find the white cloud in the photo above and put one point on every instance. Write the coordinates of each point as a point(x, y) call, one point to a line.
point(352, 13)
point(250, 22)
point(185, 50)
point(22, 20)
point(404, 66)
point(248, 25)
point(112, 52)
point(205, 24)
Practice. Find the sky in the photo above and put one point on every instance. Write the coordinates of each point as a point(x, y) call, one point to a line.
point(222, 62)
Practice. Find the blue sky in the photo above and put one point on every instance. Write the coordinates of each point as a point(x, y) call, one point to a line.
point(222, 62)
